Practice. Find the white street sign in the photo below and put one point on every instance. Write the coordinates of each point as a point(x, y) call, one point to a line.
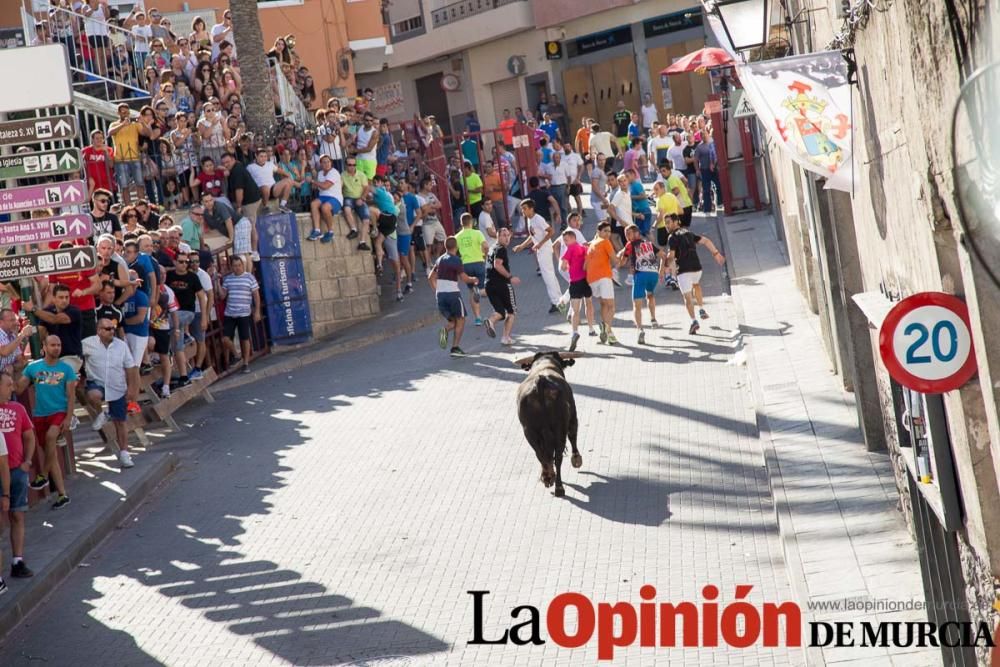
point(34, 77)
point(742, 108)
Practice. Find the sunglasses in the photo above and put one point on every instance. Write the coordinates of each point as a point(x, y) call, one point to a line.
point(106, 328)
point(181, 261)
point(103, 200)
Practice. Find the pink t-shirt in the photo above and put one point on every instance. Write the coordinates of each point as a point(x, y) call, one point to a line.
point(14, 421)
point(575, 256)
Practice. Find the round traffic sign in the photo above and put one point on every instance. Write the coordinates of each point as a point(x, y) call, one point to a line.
point(926, 343)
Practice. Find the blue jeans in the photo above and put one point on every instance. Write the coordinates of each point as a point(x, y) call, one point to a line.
point(127, 173)
point(559, 194)
point(708, 178)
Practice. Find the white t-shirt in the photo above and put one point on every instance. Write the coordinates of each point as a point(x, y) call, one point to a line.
point(329, 142)
point(538, 228)
point(486, 223)
point(656, 144)
point(601, 143)
point(622, 202)
point(572, 163)
point(556, 175)
point(262, 174)
point(96, 25)
point(649, 115)
point(337, 189)
point(141, 36)
point(218, 29)
point(676, 155)
point(362, 139)
point(206, 285)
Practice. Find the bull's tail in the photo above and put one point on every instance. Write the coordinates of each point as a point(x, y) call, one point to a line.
point(554, 402)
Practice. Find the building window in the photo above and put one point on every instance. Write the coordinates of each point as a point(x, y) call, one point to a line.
point(279, 3)
point(409, 25)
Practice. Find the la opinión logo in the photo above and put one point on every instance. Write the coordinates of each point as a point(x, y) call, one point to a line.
point(736, 623)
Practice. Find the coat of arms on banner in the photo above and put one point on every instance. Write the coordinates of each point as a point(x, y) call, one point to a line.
point(809, 124)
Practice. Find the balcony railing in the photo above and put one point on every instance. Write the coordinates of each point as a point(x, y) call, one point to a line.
point(464, 9)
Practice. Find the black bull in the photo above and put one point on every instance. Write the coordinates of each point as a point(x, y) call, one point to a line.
point(547, 411)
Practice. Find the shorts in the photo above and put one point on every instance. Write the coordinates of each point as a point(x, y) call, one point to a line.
point(335, 205)
point(575, 189)
point(403, 243)
point(686, 216)
point(580, 289)
point(367, 167)
point(476, 270)
point(386, 224)
point(242, 241)
point(99, 41)
point(250, 211)
point(195, 329)
point(390, 248)
point(44, 423)
point(622, 143)
point(18, 490)
point(116, 408)
point(358, 206)
point(230, 325)
point(687, 281)
point(161, 340)
point(661, 236)
point(433, 231)
point(382, 170)
point(644, 284)
point(184, 319)
point(603, 289)
point(418, 238)
point(450, 305)
point(138, 345)
point(501, 296)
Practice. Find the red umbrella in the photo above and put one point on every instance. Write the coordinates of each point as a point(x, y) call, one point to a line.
point(701, 59)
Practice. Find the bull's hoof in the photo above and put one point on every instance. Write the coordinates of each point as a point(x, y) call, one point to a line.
point(577, 460)
point(560, 492)
point(547, 480)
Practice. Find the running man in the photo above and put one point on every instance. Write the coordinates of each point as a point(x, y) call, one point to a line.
point(599, 263)
point(683, 246)
point(500, 284)
point(472, 248)
point(574, 221)
point(647, 264)
point(540, 233)
point(574, 258)
point(447, 273)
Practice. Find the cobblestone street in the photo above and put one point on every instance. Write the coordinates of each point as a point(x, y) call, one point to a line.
point(340, 514)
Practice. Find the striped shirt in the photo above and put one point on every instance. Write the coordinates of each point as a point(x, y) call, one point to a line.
point(239, 294)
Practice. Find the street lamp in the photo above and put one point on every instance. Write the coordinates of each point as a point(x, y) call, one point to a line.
point(747, 23)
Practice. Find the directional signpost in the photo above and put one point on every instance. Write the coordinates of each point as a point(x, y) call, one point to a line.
point(45, 230)
point(78, 258)
point(44, 163)
point(36, 130)
point(50, 195)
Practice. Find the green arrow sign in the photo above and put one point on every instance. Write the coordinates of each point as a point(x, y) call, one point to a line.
point(45, 163)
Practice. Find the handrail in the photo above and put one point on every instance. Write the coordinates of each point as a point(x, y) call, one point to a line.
point(463, 9)
point(292, 107)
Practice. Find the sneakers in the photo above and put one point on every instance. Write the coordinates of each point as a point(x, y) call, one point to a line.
point(457, 352)
point(694, 327)
point(574, 339)
point(181, 382)
point(654, 323)
point(100, 420)
point(399, 296)
point(165, 390)
point(554, 309)
point(443, 338)
point(476, 295)
point(670, 281)
point(60, 503)
point(327, 238)
point(507, 341)
point(196, 374)
point(245, 370)
point(614, 278)
point(479, 321)
point(490, 330)
point(562, 308)
point(642, 337)
point(351, 235)
point(629, 279)
point(364, 246)
point(133, 408)
point(74, 422)
point(408, 288)
point(283, 207)
point(125, 459)
point(255, 256)
point(604, 333)
point(145, 369)
point(702, 314)
point(20, 570)
point(39, 483)
point(612, 340)
point(316, 235)
point(189, 339)
point(591, 333)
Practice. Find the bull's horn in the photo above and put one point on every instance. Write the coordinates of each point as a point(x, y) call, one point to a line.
point(572, 355)
point(564, 355)
point(524, 360)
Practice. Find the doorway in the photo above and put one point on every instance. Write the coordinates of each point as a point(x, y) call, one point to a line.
point(433, 101)
point(506, 95)
point(534, 87)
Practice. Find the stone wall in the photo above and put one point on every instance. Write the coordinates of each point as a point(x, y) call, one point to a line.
point(339, 278)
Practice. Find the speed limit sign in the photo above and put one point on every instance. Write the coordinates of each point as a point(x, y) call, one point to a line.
point(926, 344)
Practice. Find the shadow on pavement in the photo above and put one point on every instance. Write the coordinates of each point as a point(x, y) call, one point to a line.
point(629, 500)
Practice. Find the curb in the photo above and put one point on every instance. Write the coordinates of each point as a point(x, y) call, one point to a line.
point(782, 512)
point(45, 582)
point(329, 349)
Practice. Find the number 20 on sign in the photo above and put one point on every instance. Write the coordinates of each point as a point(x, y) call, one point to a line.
point(926, 344)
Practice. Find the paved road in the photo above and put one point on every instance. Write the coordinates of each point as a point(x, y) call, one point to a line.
point(341, 513)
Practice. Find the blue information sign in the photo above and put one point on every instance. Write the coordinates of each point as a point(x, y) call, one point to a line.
point(284, 280)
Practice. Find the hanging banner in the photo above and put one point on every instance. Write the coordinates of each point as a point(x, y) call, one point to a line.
point(388, 99)
point(804, 103)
